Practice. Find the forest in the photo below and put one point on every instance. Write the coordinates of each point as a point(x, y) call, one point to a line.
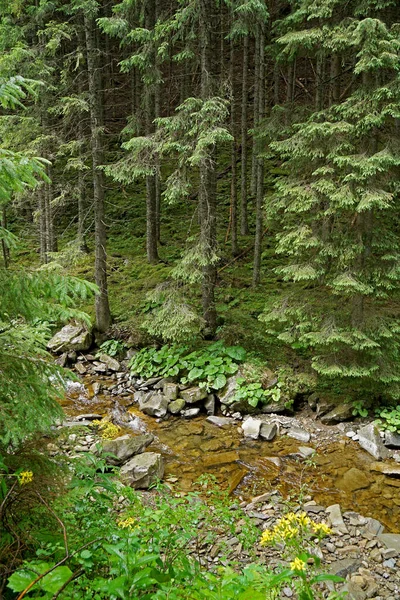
point(201, 184)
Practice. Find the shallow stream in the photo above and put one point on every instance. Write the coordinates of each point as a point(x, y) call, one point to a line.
point(248, 468)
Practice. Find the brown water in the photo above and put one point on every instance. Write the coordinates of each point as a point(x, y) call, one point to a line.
point(196, 447)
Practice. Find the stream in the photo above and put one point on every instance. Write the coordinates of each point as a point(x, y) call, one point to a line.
point(248, 468)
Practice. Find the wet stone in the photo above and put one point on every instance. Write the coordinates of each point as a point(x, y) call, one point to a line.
point(353, 480)
point(220, 421)
point(298, 433)
point(370, 440)
point(392, 439)
point(193, 394)
point(176, 406)
point(251, 428)
point(170, 391)
point(190, 413)
point(268, 431)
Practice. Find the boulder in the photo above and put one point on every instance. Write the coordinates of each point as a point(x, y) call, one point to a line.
point(370, 440)
point(390, 540)
point(306, 451)
point(70, 338)
point(343, 412)
point(170, 390)
point(80, 368)
point(176, 406)
point(124, 447)
point(268, 431)
point(220, 421)
point(143, 470)
point(251, 428)
point(298, 433)
point(112, 363)
point(336, 519)
point(194, 394)
point(392, 439)
point(190, 413)
point(227, 394)
point(209, 404)
point(153, 404)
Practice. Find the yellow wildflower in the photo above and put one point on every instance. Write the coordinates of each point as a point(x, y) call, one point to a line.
point(108, 430)
point(25, 477)
point(298, 564)
point(129, 523)
point(321, 528)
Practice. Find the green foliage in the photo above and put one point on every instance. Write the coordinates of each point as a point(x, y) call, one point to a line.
point(112, 348)
point(360, 409)
point(252, 393)
point(209, 366)
point(389, 418)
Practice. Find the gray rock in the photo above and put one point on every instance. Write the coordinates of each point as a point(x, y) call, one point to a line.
point(390, 469)
point(97, 387)
point(226, 395)
point(112, 363)
point(143, 470)
point(274, 408)
point(390, 540)
point(62, 360)
point(251, 428)
point(354, 591)
point(299, 434)
point(176, 406)
point(314, 509)
point(343, 412)
point(124, 447)
point(373, 526)
point(220, 421)
point(209, 404)
point(99, 367)
point(150, 382)
point(370, 440)
point(392, 439)
point(306, 451)
point(336, 519)
point(71, 337)
point(89, 417)
point(80, 368)
point(153, 404)
point(344, 567)
point(268, 431)
point(170, 390)
point(190, 413)
point(193, 394)
point(324, 405)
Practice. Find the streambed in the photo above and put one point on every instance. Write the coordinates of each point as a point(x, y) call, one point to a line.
point(339, 471)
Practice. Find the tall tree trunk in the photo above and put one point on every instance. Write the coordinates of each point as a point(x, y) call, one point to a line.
point(207, 196)
point(6, 251)
point(103, 315)
point(244, 221)
point(257, 86)
point(234, 199)
point(151, 180)
point(42, 224)
point(260, 164)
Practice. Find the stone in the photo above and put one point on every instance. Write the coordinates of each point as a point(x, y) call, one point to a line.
point(124, 447)
point(343, 412)
point(251, 428)
point(97, 387)
point(112, 363)
point(392, 439)
point(312, 400)
point(370, 440)
point(274, 460)
point(150, 382)
point(354, 591)
point(220, 458)
point(390, 540)
point(62, 360)
point(298, 433)
point(274, 408)
point(176, 406)
point(80, 368)
point(190, 413)
point(390, 469)
point(306, 451)
point(344, 567)
point(209, 404)
point(324, 405)
point(99, 367)
point(389, 564)
point(226, 395)
point(193, 394)
point(268, 431)
point(336, 519)
point(373, 526)
point(389, 553)
point(153, 404)
point(69, 338)
point(220, 421)
point(89, 417)
point(143, 470)
point(170, 390)
point(314, 509)
point(353, 480)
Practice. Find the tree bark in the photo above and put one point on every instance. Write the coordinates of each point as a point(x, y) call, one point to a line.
point(260, 164)
point(6, 250)
point(244, 221)
point(257, 86)
point(234, 199)
point(103, 315)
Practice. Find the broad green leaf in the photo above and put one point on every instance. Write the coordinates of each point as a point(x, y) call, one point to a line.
point(56, 579)
point(236, 352)
point(219, 382)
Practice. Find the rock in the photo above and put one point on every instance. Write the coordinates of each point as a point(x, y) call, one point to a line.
point(390, 469)
point(99, 367)
point(392, 439)
point(251, 428)
point(314, 509)
point(275, 460)
point(268, 431)
point(354, 591)
point(170, 390)
point(324, 405)
point(373, 526)
point(209, 404)
point(344, 567)
point(80, 368)
point(226, 395)
point(193, 394)
point(390, 540)
point(71, 337)
point(220, 458)
point(150, 382)
point(299, 434)
point(176, 406)
point(336, 519)
point(62, 360)
point(220, 421)
point(370, 440)
point(190, 413)
point(306, 451)
point(274, 408)
point(112, 363)
point(312, 400)
point(389, 553)
point(353, 480)
point(124, 447)
point(153, 404)
point(89, 417)
point(143, 470)
point(97, 387)
point(340, 413)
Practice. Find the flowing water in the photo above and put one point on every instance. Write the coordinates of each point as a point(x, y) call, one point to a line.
point(248, 468)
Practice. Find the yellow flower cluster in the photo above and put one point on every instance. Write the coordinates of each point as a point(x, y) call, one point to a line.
point(298, 565)
point(108, 430)
point(291, 526)
point(25, 477)
point(129, 523)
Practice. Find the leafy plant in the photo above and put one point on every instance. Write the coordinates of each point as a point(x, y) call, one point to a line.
point(112, 348)
point(359, 409)
point(389, 418)
point(252, 393)
point(208, 366)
